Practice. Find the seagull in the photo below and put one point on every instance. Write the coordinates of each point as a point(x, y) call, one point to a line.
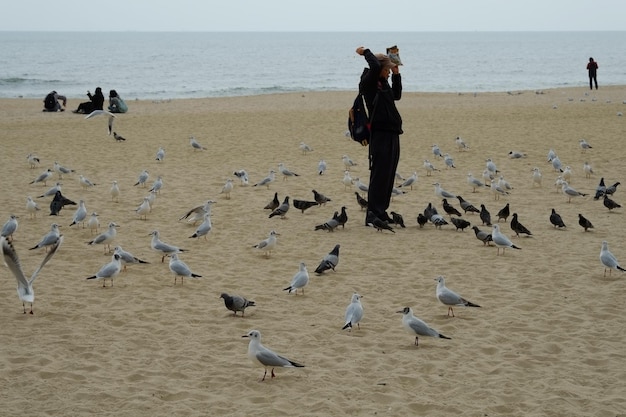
point(429, 167)
point(25, 290)
point(482, 236)
point(127, 257)
point(160, 155)
point(51, 191)
point(180, 269)
point(243, 176)
point(347, 180)
point(143, 177)
point(516, 155)
point(551, 155)
point(43, 177)
point(556, 220)
point(143, 209)
point(320, 198)
point(608, 259)
point(537, 177)
point(584, 223)
point(93, 223)
point(556, 164)
point(460, 143)
point(33, 160)
point(450, 298)
point(80, 214)
point(584, 145)
point(570, 192)
point(195, 145)
point(58, 202)
point(204, 228)
point(354, 313)
point(517, 227)
point(359, 186)
point(305, 148)
point(60, 169)
point(487, 176)
point(497, 190)
point(160, 246)
point(9, 228)
point(330, 261)
point(105, 238)
point(448, 160)
point(273, 205)
point(85, 182)
point(197, 213)
point(267, 180)
point(500, 240)
point(103, 112)
point(409, 181)
point(416, 326)
point(157, 185)
point(267, 245)
point(227, 188)
point(282, 209)
point(286, 172)
point(236, 303)
point(502, 183)
point(31, 207)
point(588, 170)
point(299, 280)
point(436, 151)
point(474, 182)
point(49, 239)
point(115, 192)
point(321, 167)
point(347, 162)
point(263, 356)
point(491, 166)
point(441, 193)
point(109, 271)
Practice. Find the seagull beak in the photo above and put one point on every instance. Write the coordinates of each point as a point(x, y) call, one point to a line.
point(245, 335)
point(400, 311)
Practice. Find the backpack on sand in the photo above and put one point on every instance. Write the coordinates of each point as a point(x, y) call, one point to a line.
point(358, 122)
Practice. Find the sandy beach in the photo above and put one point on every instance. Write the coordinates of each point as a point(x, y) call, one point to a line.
point(548, 339)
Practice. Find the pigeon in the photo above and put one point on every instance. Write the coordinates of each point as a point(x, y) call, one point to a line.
point(320, 198)
point(485, 216)
point(330, 225)
point(299, 280)
point(610, 204)
point(450, 298)
point(281, 210)
point(460, 223)
point(417, 327)
point(438, 220)
point(584, 223)
point(118, 137)
point(9, 228)
point(556, 220)
point(109, 271)
point(421, 220)
point(377, 223)
point(611, 188)
point(273, 205)
point(517, 227)
point(58, 202)
point(330, 261)
point(450, 209)
point(467, 206)
point(237, 303)
point(263, 356)
point(600, 189)
point(361, 201)
point(500, 240)
point(482, 235)
point(105, 238)
point(397, 219)
point(267, 245)
point(25, 290)
point(504, 213)
point(354, 313)
point(127, 257)
point(180, 269)
point(342, 218)
point(608, 259)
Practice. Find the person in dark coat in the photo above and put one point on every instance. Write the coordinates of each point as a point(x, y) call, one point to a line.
point(592, 68)
point(96, 102)
point(386, 128)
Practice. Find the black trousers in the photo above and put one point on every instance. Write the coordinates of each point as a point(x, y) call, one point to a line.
point(592, 79)
point(384, 154)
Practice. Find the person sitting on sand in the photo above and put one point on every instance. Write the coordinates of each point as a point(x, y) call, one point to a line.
point(51, 102)
point(116, 104)
point(96, 102)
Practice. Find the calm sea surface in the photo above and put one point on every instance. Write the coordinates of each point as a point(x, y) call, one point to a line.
point(217, 64)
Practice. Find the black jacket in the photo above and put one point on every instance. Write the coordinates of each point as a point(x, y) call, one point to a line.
point(380, 96)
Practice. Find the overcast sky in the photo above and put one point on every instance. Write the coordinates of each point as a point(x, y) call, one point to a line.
point(313, 15)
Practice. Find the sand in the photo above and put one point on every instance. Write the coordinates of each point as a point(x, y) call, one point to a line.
point(548, 341)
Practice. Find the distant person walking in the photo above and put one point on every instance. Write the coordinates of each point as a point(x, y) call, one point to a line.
point(592, 68)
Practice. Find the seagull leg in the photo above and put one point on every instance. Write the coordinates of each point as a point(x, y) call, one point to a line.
point(31, 308)
point(416, 341)
point(24, 304)
point(264, 374)
point(273, 376)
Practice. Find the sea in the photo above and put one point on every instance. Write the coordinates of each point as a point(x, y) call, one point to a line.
point(174, 65)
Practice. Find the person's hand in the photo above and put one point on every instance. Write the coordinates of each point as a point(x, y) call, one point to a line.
point(360, 50)
point(395, 70)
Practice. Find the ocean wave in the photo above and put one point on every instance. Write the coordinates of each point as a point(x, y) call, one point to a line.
point(20, 81)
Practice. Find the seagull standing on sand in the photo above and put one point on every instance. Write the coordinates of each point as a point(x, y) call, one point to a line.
point(204, 228)
point(501, 241)
point(33, 160)
point(60, 169)
point(587, 169)
point(160, 155)
point(227, 188)
point(263, 356)
point(354, 313)
point(127, 257)
point(436, 151)
point(25, 290)
point(360, 186)
point(321, 167)
point(305, 148)
point(417, 327)
point(243, 177)
point(236, 303)
point(347, 162)
point(195, 145)
point(143, 177)
point(157, 185)
point(180, 269)
point(143, 209)
point(80, 214)
point(299, 280)
point(115, 192)
point(109, 271)
point(49, 239)
point(608, 259)
point(474, 182)
point(43, 177)
point(9, 227)
point(286, 172)
point(570, 192)
point(537, 177)
point(429, 167)
point(85, 182)
point(449, 298)
point(460, 143)
point(267, 180)
point(584, 145)
point(159, 246)
point(347, 180)
point(409, 181)
point(267, 245)
point(105, 238)
point(441, 193)
point(93, 223)
point(31, 207)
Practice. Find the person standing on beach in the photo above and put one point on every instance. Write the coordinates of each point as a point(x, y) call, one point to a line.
point(386, 128)
point(592, 68)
